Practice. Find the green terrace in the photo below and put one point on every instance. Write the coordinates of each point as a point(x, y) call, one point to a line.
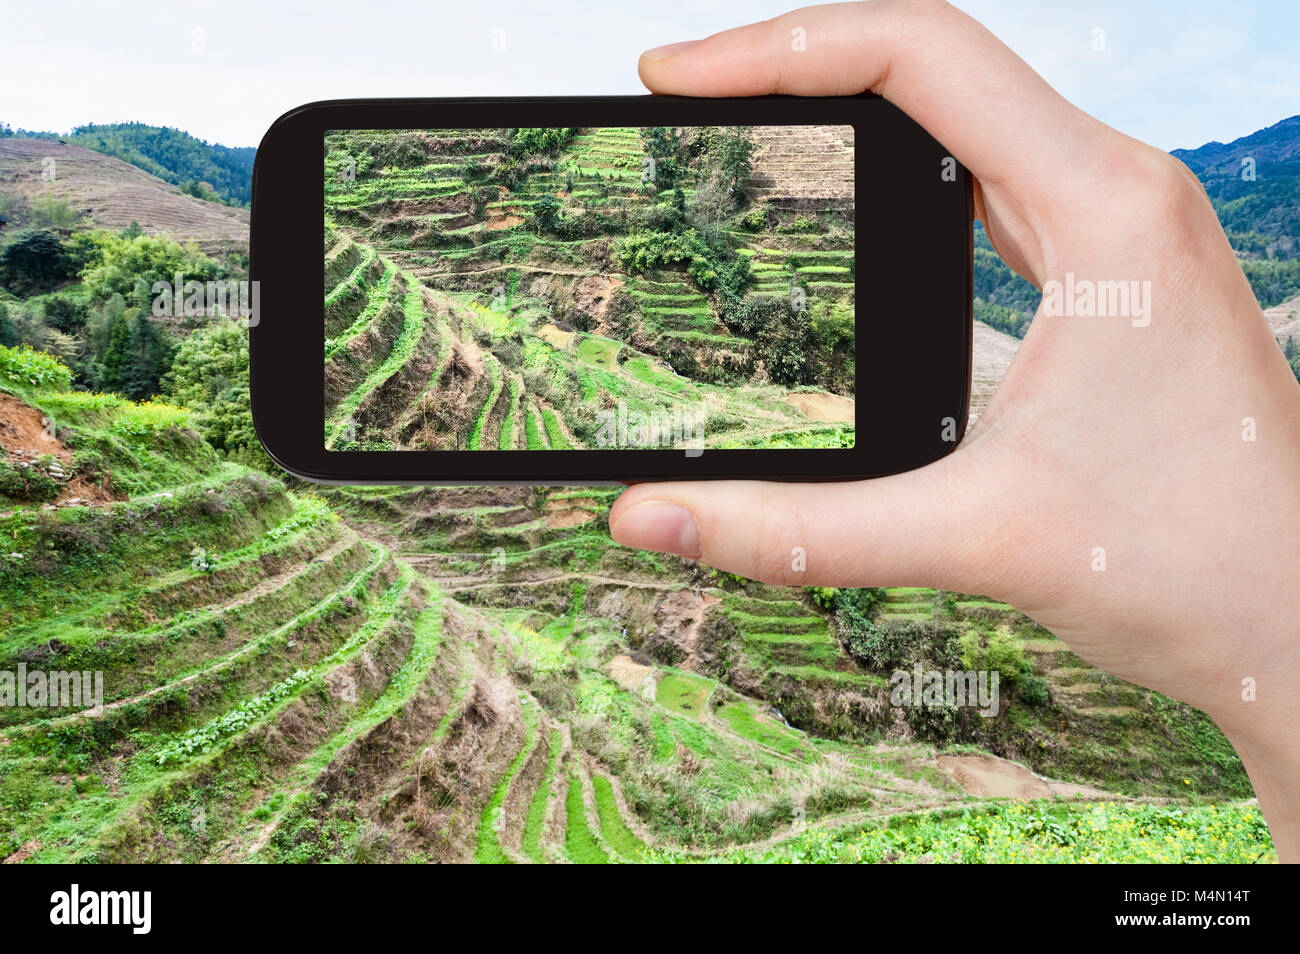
point(399, 343)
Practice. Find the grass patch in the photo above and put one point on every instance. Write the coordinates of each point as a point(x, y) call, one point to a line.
point(579, 843)
point(742, 720)
point(535, 821)
point(612, 827)
point(683, 694)
point(488, 850)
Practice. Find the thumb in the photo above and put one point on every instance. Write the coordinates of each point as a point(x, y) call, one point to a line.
point(936, 526)
point(1000, 119)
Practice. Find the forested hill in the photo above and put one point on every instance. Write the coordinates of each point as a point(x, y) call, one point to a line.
point(205, 170)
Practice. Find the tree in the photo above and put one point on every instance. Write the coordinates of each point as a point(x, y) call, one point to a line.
point(34, 262)
point(527, 141)
point(663, 145)
point(66, 313)
point(209, 374)
point(54, 213)
point(833, 336)
point(98, 332)
point(124, 266)
point(735, 151)
point(546, 213)
point(62, 346)
point(112, 375)
point(15, 207)
point(145, 360)
point(174, 156)
point(711, 205)
point(8, 333)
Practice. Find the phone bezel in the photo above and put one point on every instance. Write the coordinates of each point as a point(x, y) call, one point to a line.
point(913, 371)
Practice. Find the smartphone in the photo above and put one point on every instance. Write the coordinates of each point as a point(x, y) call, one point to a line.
point(608, 289)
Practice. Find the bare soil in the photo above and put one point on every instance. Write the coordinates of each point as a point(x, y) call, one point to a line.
point(1284, 319)
point(823, 407)
point(554, 336)
point(23, 435)
point(629, 673)
point(558, 518)
point(989, 777)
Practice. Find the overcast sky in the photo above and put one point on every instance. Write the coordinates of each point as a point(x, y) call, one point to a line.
point(1176, 73)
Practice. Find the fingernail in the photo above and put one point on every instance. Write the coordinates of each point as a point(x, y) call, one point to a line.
point(672, 49)
point(655, 525)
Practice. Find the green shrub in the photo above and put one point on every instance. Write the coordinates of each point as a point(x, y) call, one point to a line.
point(1000, 651)
point(800, 224)
point(525, 142)
point(643, 251)
point(755, 220)
point(823, 597)
point(1033, 689)
point(27, 484)
point(1020, 832)
point(26, 366)
point(149, 418)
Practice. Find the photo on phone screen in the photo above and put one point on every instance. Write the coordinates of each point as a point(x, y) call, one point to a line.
point(605, 288)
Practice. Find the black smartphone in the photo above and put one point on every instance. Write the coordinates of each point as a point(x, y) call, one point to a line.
point(608, 289)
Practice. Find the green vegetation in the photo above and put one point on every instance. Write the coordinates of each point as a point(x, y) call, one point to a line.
point(683, 694)
point(1107, 833)
point(612, 827)
point(278, 688)
point(579, 843)
point(531, 842)
point(621, 292)
point(90, 301)
point(489, 845)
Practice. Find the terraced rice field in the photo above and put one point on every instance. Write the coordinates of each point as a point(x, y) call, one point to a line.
point(453, 322)
point(462, 674)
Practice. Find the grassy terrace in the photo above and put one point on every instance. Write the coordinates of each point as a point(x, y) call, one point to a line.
point(471, 710)
point(476, 673)
point(431, 206)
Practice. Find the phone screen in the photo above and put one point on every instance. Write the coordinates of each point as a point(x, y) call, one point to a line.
point(589, 288)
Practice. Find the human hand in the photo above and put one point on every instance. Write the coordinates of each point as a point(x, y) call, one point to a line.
point(1105, 433)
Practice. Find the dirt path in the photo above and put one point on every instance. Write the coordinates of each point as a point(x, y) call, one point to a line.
point(993, 351)
point(280, 580)
point(520, 267)
point(830, 408)
point(476, 581)
point(990, 777)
